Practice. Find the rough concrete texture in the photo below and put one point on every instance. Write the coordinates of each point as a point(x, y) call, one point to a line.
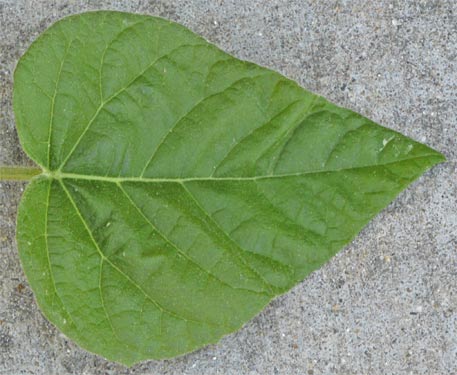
point(387, 304)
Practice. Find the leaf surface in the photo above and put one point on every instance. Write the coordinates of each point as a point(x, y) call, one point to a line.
point(182, 189)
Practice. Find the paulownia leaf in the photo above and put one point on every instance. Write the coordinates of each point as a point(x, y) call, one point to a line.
point(182, 189)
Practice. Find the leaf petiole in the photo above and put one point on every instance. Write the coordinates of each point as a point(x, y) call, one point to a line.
point(18, 173)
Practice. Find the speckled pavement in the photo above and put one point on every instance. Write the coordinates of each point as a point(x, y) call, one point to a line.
point(387, 303)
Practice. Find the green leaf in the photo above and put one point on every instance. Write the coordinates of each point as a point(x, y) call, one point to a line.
point(182, 189)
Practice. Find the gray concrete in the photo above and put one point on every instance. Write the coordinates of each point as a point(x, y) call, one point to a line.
point(387, 304)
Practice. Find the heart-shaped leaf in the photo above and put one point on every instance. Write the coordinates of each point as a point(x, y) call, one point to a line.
point(182, 189)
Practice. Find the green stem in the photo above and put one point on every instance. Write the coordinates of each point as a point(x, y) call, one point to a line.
point(18, 173)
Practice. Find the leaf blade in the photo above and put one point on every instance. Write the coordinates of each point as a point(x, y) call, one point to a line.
point(184, 189)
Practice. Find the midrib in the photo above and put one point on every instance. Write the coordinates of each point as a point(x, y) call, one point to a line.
point(76, 176)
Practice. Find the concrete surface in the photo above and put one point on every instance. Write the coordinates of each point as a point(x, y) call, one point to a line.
point(387, 304)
